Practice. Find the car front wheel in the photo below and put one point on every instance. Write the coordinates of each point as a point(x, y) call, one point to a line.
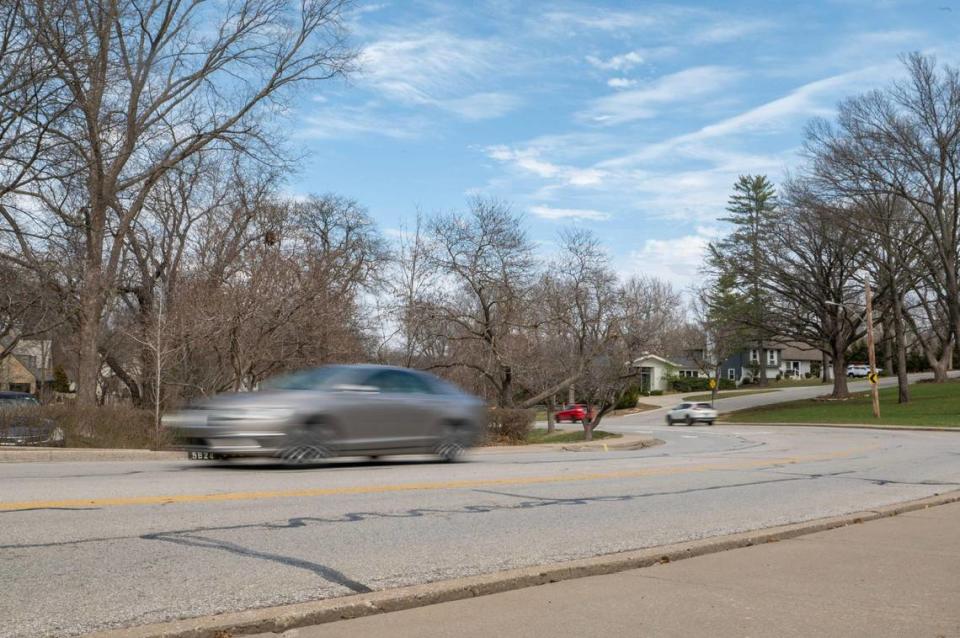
point(689, 420)
point(669, 420)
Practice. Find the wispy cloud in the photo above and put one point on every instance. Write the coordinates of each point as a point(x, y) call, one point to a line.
point(621, 83)
point(622, 62)
point(677, 260)
point(817, 98)
point(579, 214)
point(438, 69)
point(682, 86)
point(591, 18)
point(726, 30)
point(346, 121)
point(528, 160)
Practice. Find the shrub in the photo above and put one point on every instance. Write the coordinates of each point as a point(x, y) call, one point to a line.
point(509, 424)
point(629, 399)
point(698, 384)
point(656, 393)
point(115, 426)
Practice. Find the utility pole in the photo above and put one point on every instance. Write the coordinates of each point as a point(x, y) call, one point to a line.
point(871, 352)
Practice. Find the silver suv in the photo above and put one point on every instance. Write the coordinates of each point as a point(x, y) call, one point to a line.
point(690, 413)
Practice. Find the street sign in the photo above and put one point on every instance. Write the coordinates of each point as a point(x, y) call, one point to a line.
point(873, 376)
point(713, 383)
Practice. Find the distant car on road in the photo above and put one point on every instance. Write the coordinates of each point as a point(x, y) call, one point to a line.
point(691, 413)
point(860, 371)
point(22, 425)
point(575, 413)
point(342, 410)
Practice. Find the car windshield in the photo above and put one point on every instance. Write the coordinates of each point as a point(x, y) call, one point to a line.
point(704, 405)
point(313, 379)
point(17, 402)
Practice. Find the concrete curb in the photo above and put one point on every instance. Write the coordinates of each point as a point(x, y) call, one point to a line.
point(280, 619)
point(60, 455)
point(855, 426)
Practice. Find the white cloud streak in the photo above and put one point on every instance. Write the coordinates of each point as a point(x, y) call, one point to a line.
point(573, 214)
point(643, 102)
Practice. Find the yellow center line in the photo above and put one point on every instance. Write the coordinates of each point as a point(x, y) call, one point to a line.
point(425, 486)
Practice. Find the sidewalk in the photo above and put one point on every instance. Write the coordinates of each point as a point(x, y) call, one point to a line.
point(896, 576)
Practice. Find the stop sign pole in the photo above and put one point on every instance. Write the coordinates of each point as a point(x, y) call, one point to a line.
point(871, 352)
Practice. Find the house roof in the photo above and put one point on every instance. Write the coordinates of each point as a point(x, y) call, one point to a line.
point(35, 372)
point(797, 351)
point(647, 357)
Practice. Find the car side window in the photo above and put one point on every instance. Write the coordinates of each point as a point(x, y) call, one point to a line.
point(684, 406)
point(398, 382)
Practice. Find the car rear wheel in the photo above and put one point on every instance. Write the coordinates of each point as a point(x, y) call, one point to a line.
point(710, 422)
point(669, 420)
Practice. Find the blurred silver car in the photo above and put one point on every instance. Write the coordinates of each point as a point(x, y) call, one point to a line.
point(344, 410)
point(690, 413)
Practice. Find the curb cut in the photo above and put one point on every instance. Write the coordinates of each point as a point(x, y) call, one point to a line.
point(283, 618)
point(849, 426)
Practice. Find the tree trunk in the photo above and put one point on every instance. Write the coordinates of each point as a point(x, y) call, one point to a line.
point(840, 390)
point(88, 336)
point(571, 394)
point(900, 340)
point(551, 420)
point(763, 365)
point(825, 369)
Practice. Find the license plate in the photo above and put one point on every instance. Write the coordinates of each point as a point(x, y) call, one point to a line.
point(200, 456)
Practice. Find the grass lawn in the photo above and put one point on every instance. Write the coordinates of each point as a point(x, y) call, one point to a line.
point(933, 404)
point(539, 435)
point(797, 383)
point(706, 396)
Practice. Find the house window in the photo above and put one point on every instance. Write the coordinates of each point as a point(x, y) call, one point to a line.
point(754, 356)
point(771, 357)
point(732, 374)
point(690, 374)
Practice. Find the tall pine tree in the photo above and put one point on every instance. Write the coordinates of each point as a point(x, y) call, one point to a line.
point(741, 255)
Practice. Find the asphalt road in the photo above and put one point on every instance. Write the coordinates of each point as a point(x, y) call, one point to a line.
point(87, 546)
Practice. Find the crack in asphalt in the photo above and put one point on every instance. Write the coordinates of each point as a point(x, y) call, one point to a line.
point(876, 481)
point(356, 517)
point(327, 573)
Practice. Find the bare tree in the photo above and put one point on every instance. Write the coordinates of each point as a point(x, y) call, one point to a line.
point(813, 277)
point(904, 142)
point(146, 85)
point(488, 266)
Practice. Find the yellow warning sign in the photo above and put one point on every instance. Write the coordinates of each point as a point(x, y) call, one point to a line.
point(873, 377)
point(713, 383)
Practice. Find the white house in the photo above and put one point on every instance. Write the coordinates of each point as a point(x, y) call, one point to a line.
point(656, 371)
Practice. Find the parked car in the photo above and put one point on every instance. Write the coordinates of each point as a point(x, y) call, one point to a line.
point(344, 410)
point(860, 371)
point(575, 413)
point(691, 413)
point(22, 425)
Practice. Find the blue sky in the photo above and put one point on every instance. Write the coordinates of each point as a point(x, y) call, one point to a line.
point(631, 118)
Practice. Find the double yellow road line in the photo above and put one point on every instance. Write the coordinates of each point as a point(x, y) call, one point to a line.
point(424, 486)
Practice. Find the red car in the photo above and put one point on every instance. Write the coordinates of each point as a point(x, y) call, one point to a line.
point(574, 412)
